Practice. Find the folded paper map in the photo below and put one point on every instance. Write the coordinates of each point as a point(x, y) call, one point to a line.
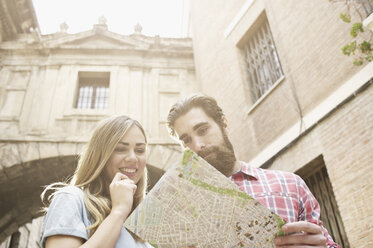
point(194, 205)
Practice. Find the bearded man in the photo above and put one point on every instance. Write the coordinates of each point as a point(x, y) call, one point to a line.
point(199, 123)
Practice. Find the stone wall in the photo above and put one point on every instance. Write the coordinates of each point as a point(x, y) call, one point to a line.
point(322, 105)
point(41, 129)
point(344, 139)
point(308, 38)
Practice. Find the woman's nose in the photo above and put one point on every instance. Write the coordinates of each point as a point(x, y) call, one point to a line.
point(131, 156)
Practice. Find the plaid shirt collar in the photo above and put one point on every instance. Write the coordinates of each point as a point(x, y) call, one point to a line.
point(248, 170)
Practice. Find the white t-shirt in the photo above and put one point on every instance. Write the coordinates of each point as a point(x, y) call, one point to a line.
point(67, 215)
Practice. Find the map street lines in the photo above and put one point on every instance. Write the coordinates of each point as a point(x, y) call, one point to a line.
point(194, 205)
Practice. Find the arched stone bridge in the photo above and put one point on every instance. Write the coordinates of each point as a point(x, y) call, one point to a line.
point(27, 166)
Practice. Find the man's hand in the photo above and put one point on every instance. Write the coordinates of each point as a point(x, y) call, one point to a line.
point(301, 234)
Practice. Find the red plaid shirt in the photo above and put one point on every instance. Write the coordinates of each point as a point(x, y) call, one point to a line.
point(284, 193)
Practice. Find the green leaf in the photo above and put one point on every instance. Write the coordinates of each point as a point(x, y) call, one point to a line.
point(346, 50)
point(356, 27)
point(345, 17)
point(358, 61)
point(365, 47)
point(369, 57)
point(349, 48)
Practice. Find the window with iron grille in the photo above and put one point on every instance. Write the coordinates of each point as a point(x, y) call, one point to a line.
point(93, 90)
point(263, 64)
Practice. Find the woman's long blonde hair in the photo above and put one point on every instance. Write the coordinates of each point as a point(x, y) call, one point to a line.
point(89, 174)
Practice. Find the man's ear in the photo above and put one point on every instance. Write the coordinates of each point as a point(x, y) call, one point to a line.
point(224, 121)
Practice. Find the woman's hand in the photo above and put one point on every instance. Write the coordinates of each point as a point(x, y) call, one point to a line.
point(122, 190)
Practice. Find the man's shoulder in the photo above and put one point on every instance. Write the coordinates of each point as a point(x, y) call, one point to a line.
point(269, 173)
point(286, 174)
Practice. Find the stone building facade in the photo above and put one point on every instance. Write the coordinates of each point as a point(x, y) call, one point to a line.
point(303, 107)
point(55, 88)
point(293, 101)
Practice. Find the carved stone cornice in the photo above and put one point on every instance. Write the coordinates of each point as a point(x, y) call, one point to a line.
point(16, 17)
point(100, 41)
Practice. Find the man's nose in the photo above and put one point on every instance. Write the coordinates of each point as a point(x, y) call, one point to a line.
point(198, 144)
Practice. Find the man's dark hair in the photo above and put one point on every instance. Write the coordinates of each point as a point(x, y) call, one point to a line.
point(207, 103)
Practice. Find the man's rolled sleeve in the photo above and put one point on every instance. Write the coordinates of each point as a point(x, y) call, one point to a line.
point(310, 211)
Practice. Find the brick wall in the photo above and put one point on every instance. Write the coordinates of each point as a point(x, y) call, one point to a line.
point(345, 141)
point(308, 36)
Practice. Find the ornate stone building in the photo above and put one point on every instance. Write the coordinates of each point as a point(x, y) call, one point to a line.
point(293, 101)
point(55, 88)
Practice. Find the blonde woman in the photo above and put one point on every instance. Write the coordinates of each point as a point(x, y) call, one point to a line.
point(109, 182)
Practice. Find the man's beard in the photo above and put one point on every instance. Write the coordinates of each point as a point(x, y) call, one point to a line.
point(222, 156)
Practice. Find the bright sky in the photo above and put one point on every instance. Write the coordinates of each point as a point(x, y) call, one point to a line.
point(167, 18)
